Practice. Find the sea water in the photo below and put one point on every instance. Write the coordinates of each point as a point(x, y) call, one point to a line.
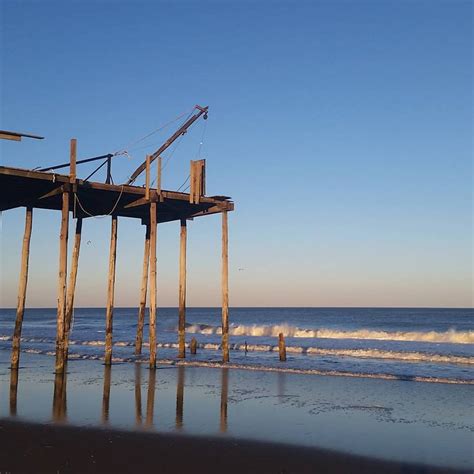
point(432, 344)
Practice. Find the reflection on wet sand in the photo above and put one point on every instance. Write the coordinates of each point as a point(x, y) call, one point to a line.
point(13, 391)
point(180, 398)
point(59, 411)
point(224, 397)
point(138, 394)
point(59, 408)
point(106, 394)
point(150, 400)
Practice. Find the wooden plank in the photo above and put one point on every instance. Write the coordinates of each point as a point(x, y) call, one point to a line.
point(152, 325)
point(225, 289)
point(182, 292)
point(110, 292)
point(7, 136)
point(62, 275)
point(71, 287)
point(143, 291)
point(20, 308)
point(72, 158)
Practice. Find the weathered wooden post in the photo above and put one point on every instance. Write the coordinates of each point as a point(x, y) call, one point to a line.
point(147, 178)
point(152, 325)
point(20, 308)
point(71, 287)
point(180, 398)
point(143, 290)
point(106, 394)
point(61, 314)
point(193, 346)
point(182, 292)
point(150, 399)
point(224, 397)
point(225, 289)
point(110, 292)
point(281, 347)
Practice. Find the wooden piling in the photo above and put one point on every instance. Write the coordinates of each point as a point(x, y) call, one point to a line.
point(282, 347)
point(71, 287)
point(193, 346)
point(59, 397)
point(72, 160)
point(20, 308)
point(143, 290)
point(182, 292)
point(225, 288)
point(110, 292)
point(152, 325)
point(61, 314)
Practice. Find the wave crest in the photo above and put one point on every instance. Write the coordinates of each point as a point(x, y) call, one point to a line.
point(451, 336)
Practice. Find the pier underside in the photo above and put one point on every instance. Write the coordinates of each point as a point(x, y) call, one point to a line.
point(36, 189)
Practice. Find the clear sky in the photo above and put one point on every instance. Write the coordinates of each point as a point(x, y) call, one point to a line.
point(342, 130)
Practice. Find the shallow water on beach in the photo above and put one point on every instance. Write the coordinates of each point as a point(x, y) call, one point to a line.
point(398, 420)
point(412, 344)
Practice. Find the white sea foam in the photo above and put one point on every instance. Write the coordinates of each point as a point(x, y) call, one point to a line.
point(407, 356)
point(451, 336)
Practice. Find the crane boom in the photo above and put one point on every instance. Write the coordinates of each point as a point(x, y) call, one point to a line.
point(181, 131)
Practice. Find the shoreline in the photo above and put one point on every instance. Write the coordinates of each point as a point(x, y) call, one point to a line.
point(64, 448)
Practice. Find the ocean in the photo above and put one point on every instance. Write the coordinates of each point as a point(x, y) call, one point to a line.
point(431, 345)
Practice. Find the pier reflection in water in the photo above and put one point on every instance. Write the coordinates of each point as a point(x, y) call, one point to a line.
point(125, 401)
point(59, 411)
point(13, 391)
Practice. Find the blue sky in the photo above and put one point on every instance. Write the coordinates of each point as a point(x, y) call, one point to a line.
point(342, 130)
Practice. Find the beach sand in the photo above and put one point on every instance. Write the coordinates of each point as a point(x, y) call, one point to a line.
point(130, 419)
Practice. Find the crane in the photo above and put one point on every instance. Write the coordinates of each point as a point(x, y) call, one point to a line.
point(181, 131)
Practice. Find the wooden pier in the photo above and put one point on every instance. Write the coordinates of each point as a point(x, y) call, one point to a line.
point(82, 199)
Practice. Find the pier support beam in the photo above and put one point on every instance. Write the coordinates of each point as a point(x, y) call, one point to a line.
point(20, 308)
point(225, 288)
point(182, 292)
point(152, 325)
point(61, 314)
point(143, 290)
point(71, 287)
point(110, 292)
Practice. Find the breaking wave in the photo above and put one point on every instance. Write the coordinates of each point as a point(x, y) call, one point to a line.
point(452, 336)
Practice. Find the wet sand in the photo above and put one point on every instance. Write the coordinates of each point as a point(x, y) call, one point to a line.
point(62, 449)
point(126, 418)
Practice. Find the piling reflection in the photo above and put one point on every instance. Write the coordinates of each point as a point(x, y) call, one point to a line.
point(281, 385)
point(13, 391)
point(59, 411)
point(138, 394)
point(150, 399)
point(135, 410)
point(106, 394)
point(224, 398)
point(180, 398)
